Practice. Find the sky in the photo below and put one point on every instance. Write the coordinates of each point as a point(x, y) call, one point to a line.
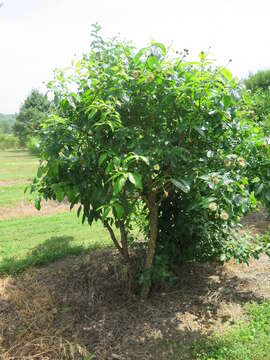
point(37, 36)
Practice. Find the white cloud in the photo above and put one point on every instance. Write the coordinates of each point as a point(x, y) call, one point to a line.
point(37, 36)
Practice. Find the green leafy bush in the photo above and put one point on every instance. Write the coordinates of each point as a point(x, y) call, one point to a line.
point(8, 141)
point(258, 110)
point(33, 146)
point(148, 127)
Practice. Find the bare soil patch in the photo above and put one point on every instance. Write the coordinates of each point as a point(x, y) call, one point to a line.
point(257, 222)
point(79, 307)
point(14, 182)
point(25, 208)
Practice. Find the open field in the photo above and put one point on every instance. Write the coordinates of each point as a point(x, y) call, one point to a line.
point(16, 166)
point(12, 194)
point(77, 307)
point(29, 237)
point(45, 239)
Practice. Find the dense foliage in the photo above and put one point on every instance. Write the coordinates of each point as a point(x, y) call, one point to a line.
point(8, 141)
point(258, 98)
point(6, 123)
point(32, 113)
point(260, 80)
point(148, 139)
point(259, 85)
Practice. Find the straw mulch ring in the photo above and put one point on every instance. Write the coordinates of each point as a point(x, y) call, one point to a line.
point(85, 308)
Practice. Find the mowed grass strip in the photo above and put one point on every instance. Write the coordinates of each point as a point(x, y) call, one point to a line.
point(40, 240)
point(17, 165)
point(13, 194)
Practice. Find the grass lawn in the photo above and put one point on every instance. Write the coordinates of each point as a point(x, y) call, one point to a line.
point(12, 194)
point(40, 240)
point(17, 165)
point(247, 340)
point(37, 240)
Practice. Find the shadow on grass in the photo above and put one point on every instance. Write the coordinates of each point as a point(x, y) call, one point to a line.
point(54, 248)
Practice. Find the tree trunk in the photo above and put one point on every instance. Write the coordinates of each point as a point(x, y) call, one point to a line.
point(124, 242)
point(153, 214)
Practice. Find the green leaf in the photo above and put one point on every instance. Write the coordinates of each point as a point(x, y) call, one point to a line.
point(71, 195)
point(26, 189)
point(102, 159)
point(205, 177)
point(60, 194)
point(199, 130)
point(119, 184)
point(105, 212)
point(135, 179)
point(259, 189)
point(182, 185)
point(253, 199)
point(227, 74)
point(37, 202)
point(109, 168)
point(161, 46)
point(144, 159)
point(83, 218)
point(40, 172)
point(79, 211)
point(139, 54)
point(119, 210)
point(226, 101)
point(153, 62)
point(92, 113)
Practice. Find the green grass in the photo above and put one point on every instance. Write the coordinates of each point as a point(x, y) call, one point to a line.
point(13, 194)
point(40, 240)
point(17, 165)
point(248, 339)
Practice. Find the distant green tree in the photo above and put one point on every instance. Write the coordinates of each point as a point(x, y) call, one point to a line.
point(33, 111)
point(257, 96)
point(259, 85)
point(6, 123)
point(260, 80)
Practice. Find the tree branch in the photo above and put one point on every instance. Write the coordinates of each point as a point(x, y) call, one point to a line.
point(116, 243)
